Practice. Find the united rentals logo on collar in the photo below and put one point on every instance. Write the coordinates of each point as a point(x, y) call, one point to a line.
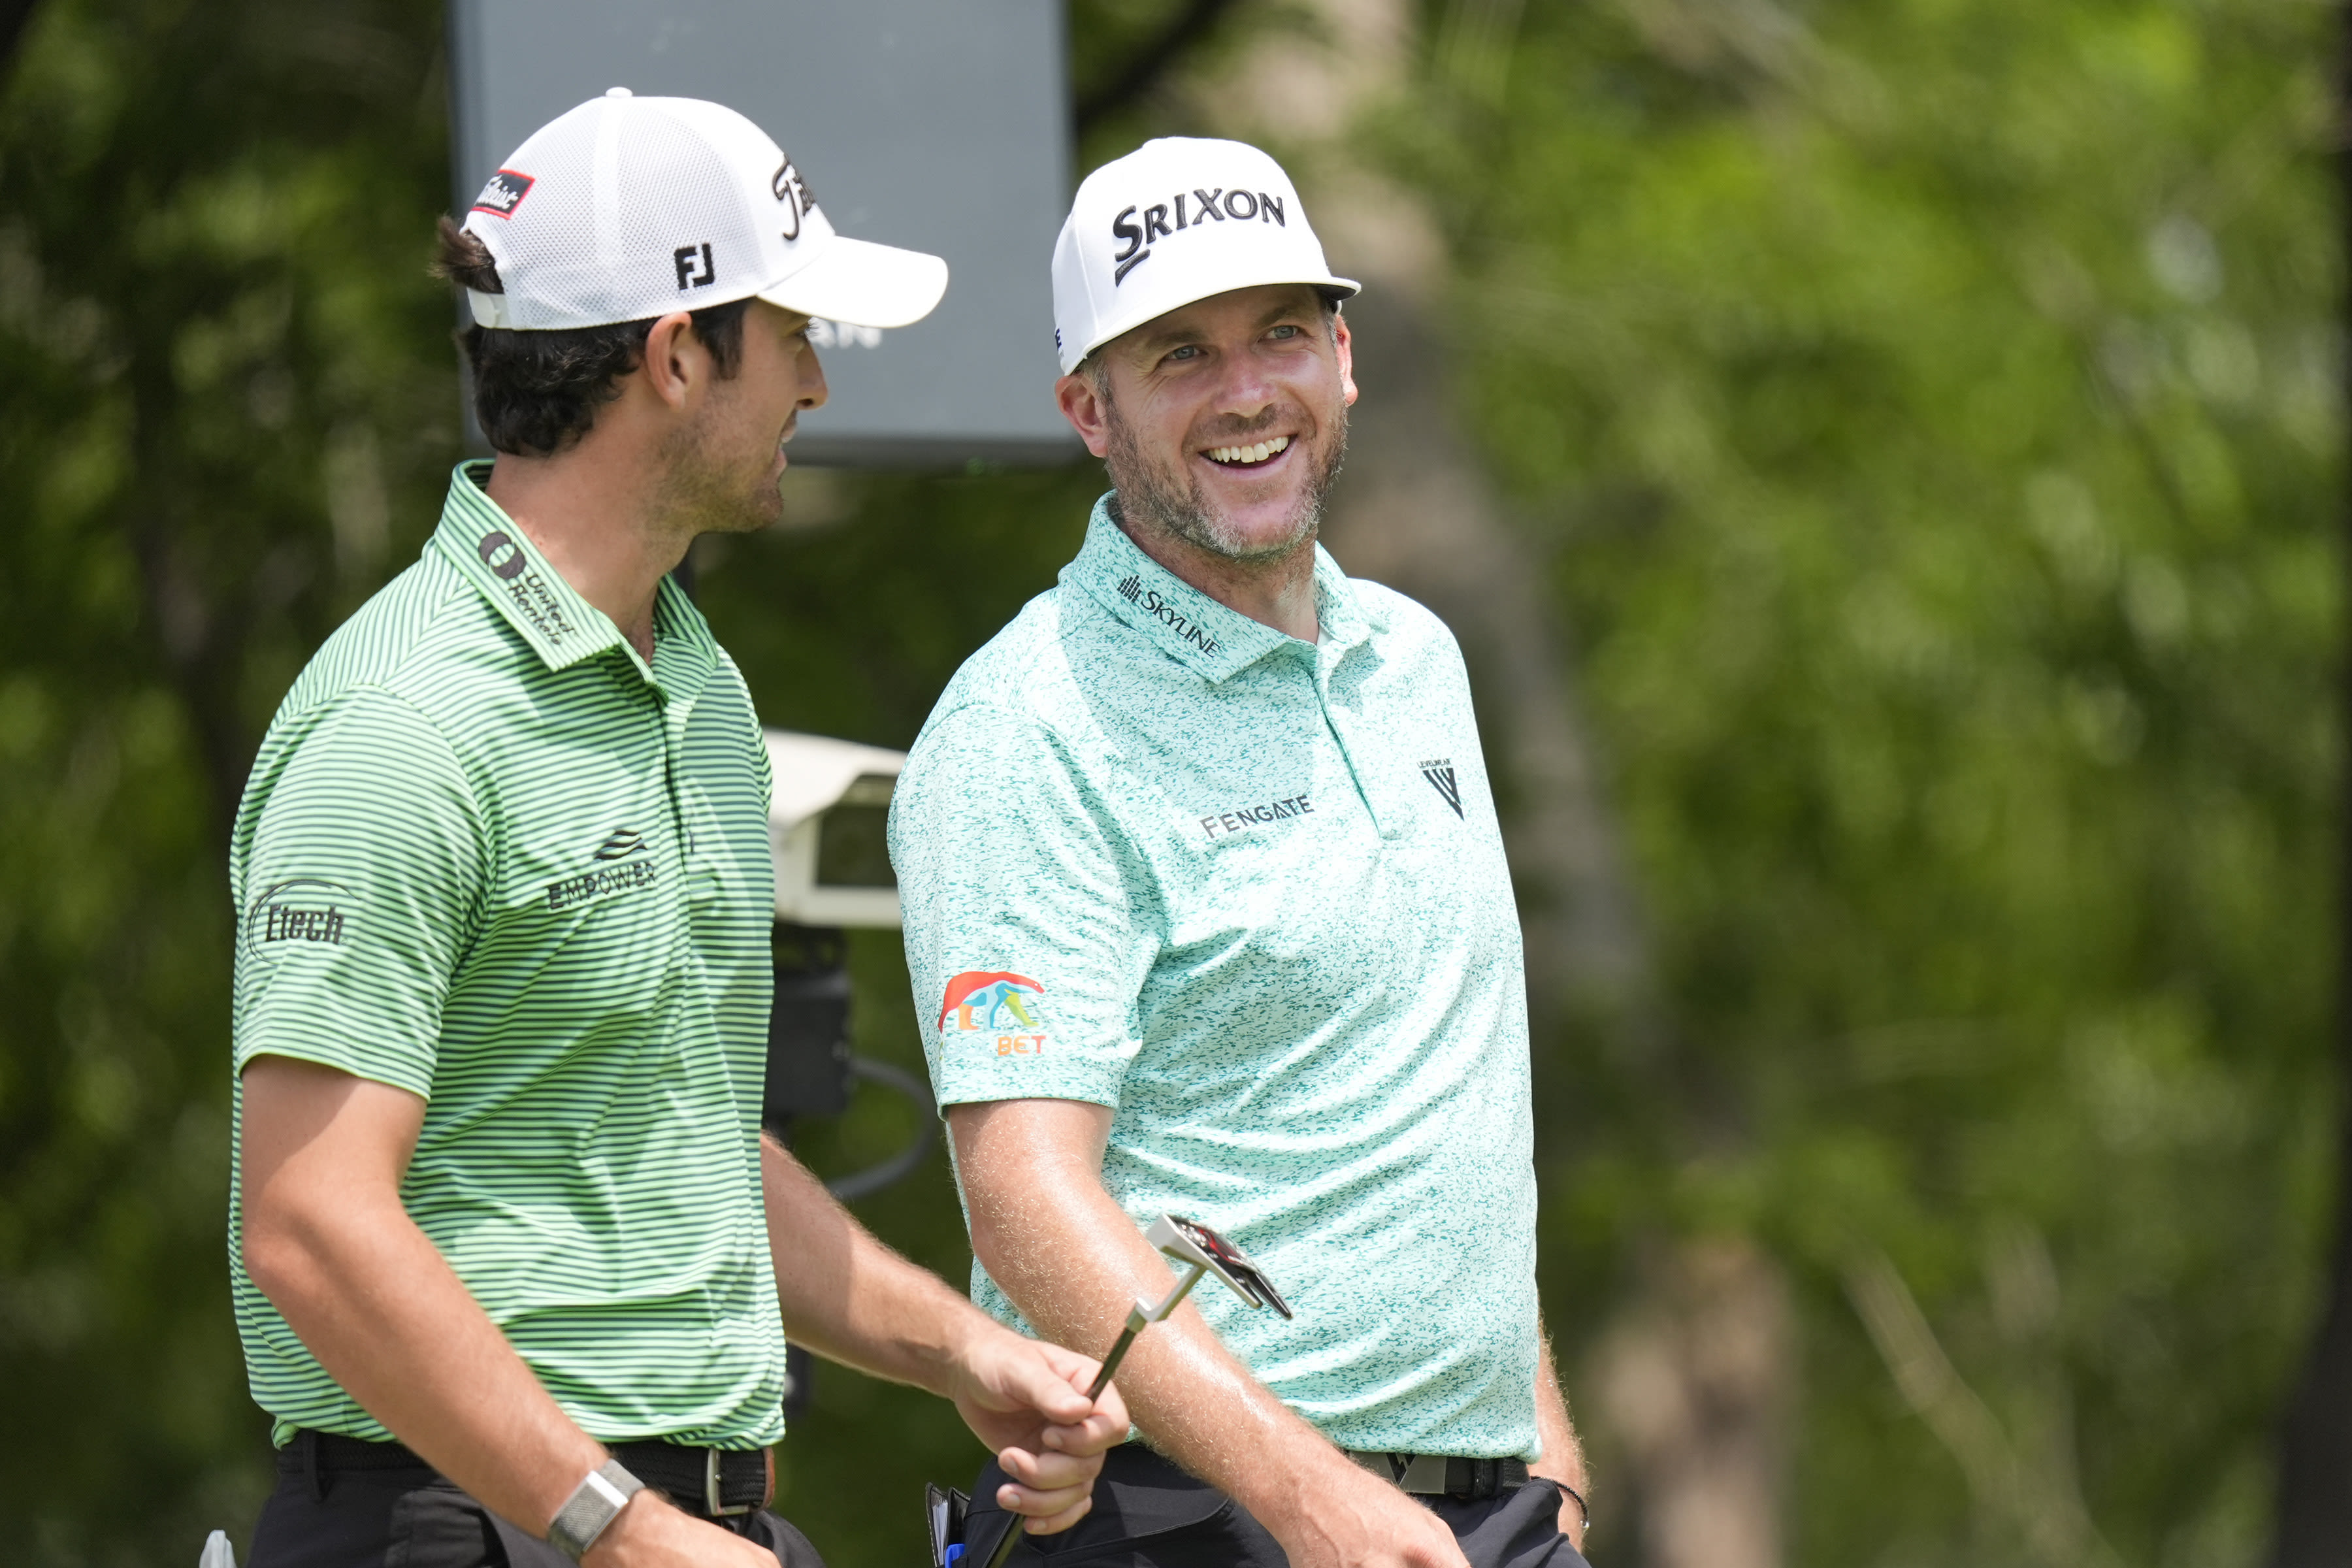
point(1149, 601)
point(504, 193)
point(1439, 772)
point(1219, 205)
point(533, 598)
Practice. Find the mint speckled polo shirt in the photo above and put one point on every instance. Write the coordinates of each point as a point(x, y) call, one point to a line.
point(487, 856)
point(1251, 894)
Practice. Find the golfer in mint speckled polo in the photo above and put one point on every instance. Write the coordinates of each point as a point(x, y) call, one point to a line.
point(1207, 914)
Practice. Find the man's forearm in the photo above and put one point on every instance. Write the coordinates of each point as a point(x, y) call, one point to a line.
point(326, 1239)
point(1563, 1454)
point(849, 1298)
point(1074, 1263)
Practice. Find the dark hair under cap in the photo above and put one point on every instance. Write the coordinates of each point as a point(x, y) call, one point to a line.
point(537, 393)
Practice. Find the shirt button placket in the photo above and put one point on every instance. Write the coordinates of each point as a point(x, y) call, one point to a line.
point(1326, 660)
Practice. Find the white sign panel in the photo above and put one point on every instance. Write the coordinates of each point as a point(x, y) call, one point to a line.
point(941, 125)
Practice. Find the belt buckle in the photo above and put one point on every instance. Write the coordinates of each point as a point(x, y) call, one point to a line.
point(713, 1499)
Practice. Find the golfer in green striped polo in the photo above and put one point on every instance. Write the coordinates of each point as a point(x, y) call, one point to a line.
point(512, 1262)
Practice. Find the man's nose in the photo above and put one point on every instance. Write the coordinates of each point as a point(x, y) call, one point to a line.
point(814, 391)
point(1246, 390)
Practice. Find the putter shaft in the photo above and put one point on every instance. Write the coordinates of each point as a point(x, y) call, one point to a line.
point(1118, 1354)
point(1139, 1317)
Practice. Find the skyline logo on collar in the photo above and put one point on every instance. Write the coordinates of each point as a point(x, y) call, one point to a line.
point(1439, 772)
point(1219, 205)
point(1149, 601)
point(999, 1003)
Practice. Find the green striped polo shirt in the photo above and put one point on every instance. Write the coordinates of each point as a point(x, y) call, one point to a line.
point(1249, 892)
point(487, 856)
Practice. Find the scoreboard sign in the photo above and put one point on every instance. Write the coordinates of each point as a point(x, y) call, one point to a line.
point(941, 125)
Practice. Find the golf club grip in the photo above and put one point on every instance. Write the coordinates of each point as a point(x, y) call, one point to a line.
point(1004, 1545)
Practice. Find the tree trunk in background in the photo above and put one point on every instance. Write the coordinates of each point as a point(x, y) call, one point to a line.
point(1693, 1387)
point(1695, 1383)
point(2315, 1484)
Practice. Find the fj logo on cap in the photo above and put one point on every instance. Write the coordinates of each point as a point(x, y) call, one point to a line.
point(1220, 205)
point(503, 193)
point(685, 255)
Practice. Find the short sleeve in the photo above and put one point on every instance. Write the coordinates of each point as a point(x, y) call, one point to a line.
point(1021, 942)
point(362, 885)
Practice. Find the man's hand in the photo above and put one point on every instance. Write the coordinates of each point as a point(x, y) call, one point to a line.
point(1074, 1263)
point(649, 1533)
point(852, 1300)
point(1026, 1399)
point(1349, 1518)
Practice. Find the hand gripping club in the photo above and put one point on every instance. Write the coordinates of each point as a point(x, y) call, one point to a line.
point(1198, 1250)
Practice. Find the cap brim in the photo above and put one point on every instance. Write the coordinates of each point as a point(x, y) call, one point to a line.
point(864, 284)
point(1338, 291)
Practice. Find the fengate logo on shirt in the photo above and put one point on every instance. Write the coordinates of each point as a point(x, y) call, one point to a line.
point(1241, 818)
point(998, 1003)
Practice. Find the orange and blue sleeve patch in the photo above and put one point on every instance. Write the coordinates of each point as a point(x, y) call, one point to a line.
point(996, 1002)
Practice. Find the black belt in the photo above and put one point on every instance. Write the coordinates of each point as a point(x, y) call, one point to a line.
point(709, 1481)
point(1445, 1475)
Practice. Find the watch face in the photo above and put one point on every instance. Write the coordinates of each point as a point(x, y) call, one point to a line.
point(1234, 1264)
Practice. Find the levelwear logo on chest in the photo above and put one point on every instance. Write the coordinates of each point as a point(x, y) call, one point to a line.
point(1439, 772)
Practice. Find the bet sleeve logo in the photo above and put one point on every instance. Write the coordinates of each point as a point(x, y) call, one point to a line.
point(998, 1005)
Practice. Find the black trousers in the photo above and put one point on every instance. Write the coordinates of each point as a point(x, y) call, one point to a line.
point(415, 1519)
point(1148, 1513)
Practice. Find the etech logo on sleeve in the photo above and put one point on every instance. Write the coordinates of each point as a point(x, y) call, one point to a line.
point(299, 913)
point(996, 1003)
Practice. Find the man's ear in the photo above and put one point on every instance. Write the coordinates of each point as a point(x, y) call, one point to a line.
point(1344, 346)
point(675, 366)
point(1085, 410)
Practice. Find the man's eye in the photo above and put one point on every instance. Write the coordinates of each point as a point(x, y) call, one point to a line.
point(1189, 351)
point(1285, 331)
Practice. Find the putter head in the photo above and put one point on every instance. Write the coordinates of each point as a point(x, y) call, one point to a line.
point(1194, 1245)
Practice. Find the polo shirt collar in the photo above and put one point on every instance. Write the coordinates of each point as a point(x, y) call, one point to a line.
point(1188, 624)
point(493, 554)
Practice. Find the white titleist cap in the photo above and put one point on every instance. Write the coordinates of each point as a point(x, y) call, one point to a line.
point(627, 208)
point(1176, 220)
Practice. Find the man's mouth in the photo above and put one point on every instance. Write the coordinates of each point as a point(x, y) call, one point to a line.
point(1252, 457)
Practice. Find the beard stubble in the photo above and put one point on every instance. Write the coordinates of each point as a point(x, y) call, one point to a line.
point(1176, 503)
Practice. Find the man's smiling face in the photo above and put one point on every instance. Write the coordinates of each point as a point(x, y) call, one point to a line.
point(1224, 420)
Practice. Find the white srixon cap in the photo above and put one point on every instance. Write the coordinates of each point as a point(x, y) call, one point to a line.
point(627, 208)
point(1177, 220)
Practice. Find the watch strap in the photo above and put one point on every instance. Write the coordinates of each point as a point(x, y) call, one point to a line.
point(591, 1506)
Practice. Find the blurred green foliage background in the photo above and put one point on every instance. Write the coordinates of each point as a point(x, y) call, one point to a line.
point(1925, 414)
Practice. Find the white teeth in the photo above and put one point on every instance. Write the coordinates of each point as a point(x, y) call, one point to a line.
point(1257, 454)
